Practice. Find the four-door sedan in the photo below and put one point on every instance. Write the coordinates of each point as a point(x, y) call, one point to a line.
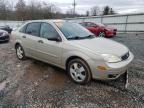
point(73, 48)
point(4, 36)
point(100, 29)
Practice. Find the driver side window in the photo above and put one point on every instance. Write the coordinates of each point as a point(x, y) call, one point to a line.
point(90, 24)
point(48, 31)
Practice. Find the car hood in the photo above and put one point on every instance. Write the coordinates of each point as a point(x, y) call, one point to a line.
point(108, 27)
point(102, 46)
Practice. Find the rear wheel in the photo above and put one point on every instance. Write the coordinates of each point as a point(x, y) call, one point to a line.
point(79, 71)
point(102, 34)
point(20, 52)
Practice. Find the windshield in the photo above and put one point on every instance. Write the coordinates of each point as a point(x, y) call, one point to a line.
point(74, 31)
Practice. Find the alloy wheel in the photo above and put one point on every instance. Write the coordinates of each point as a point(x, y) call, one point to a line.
point(101, 34)
point(19, 52)
point(77, 72)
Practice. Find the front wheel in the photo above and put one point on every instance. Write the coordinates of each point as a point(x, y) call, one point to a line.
point(101, 34)
point(20, 52)
point(79, 71)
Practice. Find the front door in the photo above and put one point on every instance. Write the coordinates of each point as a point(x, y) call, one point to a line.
point(49, 50)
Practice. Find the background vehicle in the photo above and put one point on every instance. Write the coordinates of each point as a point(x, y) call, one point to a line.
point(6, 28)
point(4, 36)
point(73, 48)
point(100, 29)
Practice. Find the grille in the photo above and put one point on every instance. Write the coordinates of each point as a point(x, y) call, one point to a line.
point(125, 57)
point(1, 34)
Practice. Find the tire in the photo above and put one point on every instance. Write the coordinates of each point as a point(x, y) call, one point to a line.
point(79, 71)
point(20, 52)
point(102, 34)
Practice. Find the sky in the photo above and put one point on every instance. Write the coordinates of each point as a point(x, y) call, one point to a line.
point(120, 6)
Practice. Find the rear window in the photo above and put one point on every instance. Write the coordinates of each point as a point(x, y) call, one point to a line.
point(33, 29)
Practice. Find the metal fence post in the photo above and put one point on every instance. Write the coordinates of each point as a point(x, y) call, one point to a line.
point(83, 19)
point(126, 24)
point(101, 19)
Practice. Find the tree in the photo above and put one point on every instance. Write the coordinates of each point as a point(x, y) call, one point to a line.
point(112, 11)
point(21, 10)
point(49, 10)
point(95, 11)
point(108, 11)
point(87, 13)
point(4, 9)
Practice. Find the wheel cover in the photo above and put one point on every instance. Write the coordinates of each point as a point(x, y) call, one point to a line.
point(102, 34)
point(77, 72)
point(19, 52)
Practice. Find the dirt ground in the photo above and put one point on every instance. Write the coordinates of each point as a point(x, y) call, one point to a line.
point(34, 84)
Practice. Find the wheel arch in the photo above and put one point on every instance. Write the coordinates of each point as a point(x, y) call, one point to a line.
point(16, 44)
point(89, 73)
point(75, 57)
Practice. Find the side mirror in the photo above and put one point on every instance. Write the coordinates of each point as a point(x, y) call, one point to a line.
point(57, 39)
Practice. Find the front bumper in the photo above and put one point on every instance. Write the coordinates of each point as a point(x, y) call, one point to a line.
point(110, 33)
point(114, 70)
point(4, 38)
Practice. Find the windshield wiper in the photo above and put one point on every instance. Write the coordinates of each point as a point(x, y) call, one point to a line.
point(78, 37)
point(89, 37)
point(74, 38)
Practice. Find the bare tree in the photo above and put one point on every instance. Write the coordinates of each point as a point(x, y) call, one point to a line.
point(4, 9)
point(108, 11)
point(21, 10)
point(87, 13)
point(33, 10)
point(112, 11)
point(48, 10)
point(70, 12)
point(95, 11)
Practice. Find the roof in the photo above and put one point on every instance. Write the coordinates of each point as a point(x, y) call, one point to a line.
point(51, 21)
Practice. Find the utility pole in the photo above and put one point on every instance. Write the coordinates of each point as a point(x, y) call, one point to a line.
point(74, 5)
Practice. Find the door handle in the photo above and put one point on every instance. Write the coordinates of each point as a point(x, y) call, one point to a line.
point(40, 41)
point(24, 36)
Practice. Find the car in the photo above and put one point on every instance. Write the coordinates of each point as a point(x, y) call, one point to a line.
point(6, 28)
point(100, 29)
point(4, 36)
point(73, 48)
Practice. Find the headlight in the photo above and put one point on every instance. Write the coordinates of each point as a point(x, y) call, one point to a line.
point(4, 34)
point(111, 58)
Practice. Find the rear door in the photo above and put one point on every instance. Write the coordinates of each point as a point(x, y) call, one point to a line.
point(29, 38)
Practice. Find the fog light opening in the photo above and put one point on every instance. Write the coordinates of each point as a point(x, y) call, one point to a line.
point(103, 68)
point(112, 75)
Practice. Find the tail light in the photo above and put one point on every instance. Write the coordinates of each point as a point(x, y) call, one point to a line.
point(3, 33)
point(115, 29)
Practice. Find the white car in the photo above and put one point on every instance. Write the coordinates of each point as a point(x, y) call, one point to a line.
point(73, 48)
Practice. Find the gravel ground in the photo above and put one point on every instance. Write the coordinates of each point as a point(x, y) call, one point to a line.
point(34, 84)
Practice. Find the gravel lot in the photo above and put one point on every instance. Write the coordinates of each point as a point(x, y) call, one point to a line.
point(34, 84)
